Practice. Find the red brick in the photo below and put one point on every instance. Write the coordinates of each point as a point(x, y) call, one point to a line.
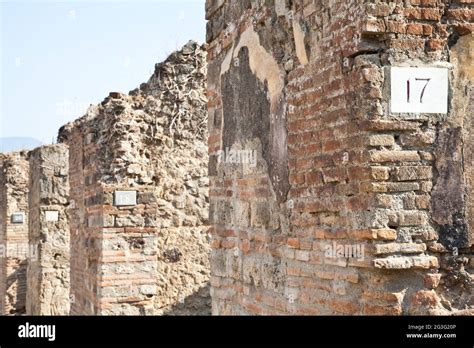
point(423, 13)
point(297, 179)
point(435, 44)
point(464, 28)
point(461, 14)
point(373, 309)
point(427, 29)
point(415, 29)
point(344, 307)
point(227, 244)
point(215, 244)
point(314, 178)
point(396, 27)
point(407, 44)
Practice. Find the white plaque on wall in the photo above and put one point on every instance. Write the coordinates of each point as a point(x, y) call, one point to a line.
point(123, 198)
point(18, 218)
point(51, 215)
point(419, 90)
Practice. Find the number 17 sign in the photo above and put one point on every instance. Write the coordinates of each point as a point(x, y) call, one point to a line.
point(419, 90)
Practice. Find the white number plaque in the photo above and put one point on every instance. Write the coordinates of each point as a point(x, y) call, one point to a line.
point(124, 198)
point(18, 218)
point(419, 90)
point(51, 215)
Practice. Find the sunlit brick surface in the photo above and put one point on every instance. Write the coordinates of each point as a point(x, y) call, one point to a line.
point(307, 89)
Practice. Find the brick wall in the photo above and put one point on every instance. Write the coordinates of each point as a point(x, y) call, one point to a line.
point(84, 241)
point(348, 208)
point(48, 267)
point(149, 256)
point(13, 235)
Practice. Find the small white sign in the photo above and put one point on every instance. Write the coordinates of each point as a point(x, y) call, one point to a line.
point(124, 198)
point(51, 216)
point(18, 218)
point(419, 90)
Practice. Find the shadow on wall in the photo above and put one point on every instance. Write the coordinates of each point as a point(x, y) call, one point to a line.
point(199, 303)
point(17, 277)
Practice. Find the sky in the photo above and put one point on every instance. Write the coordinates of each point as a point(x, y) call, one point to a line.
point(57, 58)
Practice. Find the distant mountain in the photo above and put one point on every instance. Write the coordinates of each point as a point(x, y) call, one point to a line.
point(18, 143)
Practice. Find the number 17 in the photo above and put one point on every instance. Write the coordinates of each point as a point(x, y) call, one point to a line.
point(422, 91)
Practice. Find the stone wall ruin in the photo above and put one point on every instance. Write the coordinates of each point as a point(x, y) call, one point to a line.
point(320, 198)
point(148, 254)
point(48, 284)
point(119, 207)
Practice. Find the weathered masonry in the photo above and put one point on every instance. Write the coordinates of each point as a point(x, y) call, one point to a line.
point(139, 196)
point(48, 267)
point(340, 184)
point(14, 248)
point(113, 220)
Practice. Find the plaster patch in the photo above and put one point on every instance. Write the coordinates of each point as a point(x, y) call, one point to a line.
point(298, 34)
point(261, 62)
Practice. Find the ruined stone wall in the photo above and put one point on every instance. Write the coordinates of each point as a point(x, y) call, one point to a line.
point(48, 267)
point(303, 86)
point(14, 247)
point(147, 254)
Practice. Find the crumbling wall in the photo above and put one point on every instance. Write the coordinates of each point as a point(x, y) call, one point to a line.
point(14, 248)
point(48, 267)
point(347, 208)
point(138, 172)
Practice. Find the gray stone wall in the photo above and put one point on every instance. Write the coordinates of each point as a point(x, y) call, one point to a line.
point(48, 268)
